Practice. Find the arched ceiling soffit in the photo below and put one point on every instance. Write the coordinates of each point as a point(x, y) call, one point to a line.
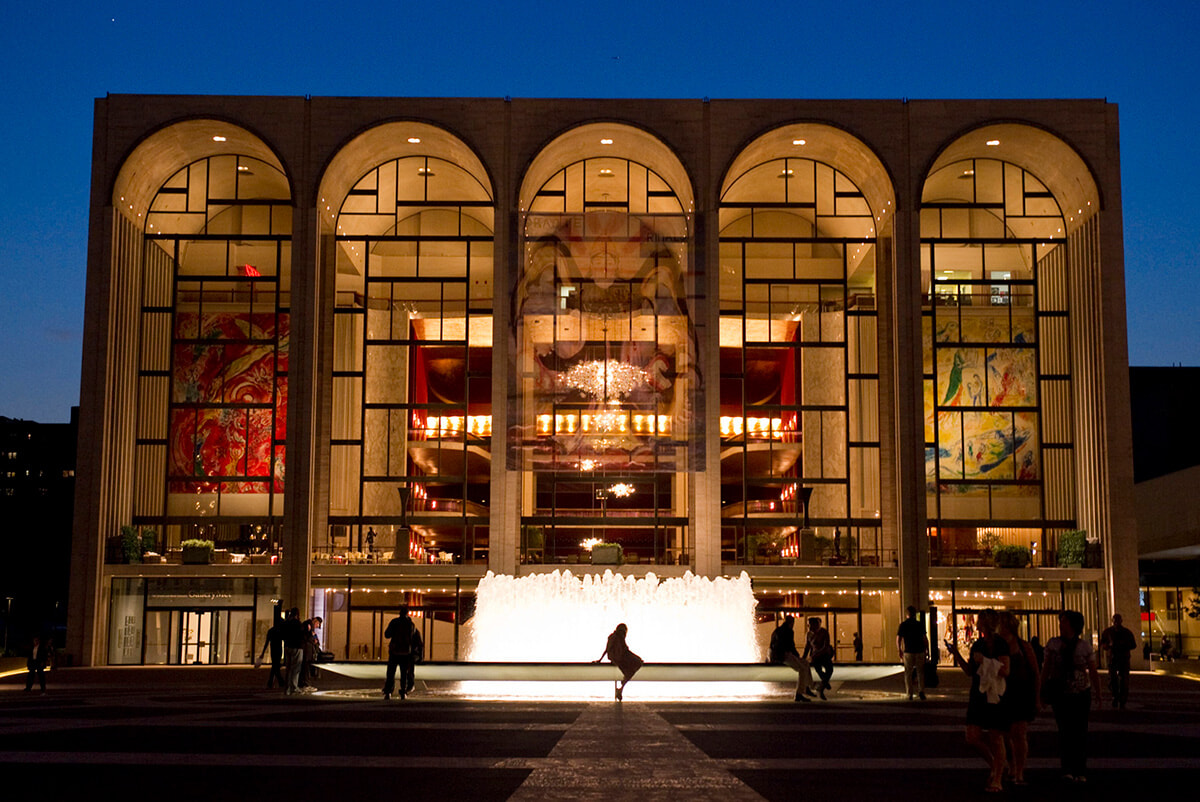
point(1051, 160)
point(822, 143)
point(384, 143)
point(628, 142)
point(168, 150)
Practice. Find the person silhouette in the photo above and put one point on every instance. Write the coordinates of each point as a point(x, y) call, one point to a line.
point(620, 655)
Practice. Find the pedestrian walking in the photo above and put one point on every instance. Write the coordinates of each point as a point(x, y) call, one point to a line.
point(1119, 644)
point(1070, 683)
point(40, 655)
point(913, 646)
point(404, 649)
point(858, 647)
point(1020, 695)
point(274, 642)
point(987, 720)
point(783, 651)
point(293, 649)
point(620, 655)
point(818, 650)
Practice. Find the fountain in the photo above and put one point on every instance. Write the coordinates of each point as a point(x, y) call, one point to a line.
point(562, 618)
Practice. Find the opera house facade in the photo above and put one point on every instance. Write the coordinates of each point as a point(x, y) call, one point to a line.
point(348, 352)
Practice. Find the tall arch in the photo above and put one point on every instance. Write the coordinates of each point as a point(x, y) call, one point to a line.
point(1008, 214)
point(803, 214)
point(407, 212)
point(604, 391)
point(198, 294)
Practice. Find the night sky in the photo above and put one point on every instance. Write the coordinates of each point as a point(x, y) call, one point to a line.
point(58, 57)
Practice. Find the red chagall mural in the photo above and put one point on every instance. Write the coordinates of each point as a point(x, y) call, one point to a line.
point(230, 360)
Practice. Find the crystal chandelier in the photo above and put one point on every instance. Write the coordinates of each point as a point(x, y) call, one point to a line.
point(605, 379)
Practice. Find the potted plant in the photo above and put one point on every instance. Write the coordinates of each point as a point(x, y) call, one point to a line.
point(131, 544)
point(197, 552)
point(1072, 548)
point(533, 541)
point(607, 554)
point(1012, 556)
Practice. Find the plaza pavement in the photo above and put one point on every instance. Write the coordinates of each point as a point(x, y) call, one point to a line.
point(216, 733)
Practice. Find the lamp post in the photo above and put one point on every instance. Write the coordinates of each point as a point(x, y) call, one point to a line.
point(8, 600)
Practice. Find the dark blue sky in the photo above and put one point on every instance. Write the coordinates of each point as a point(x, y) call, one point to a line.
point(57, 57)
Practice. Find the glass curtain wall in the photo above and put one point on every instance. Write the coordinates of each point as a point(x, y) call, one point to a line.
point(411, 427)
point(799, 373)
point(997, 366)
point(604, 369)
point(213, 358)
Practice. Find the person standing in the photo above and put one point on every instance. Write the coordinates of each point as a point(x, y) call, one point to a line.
point(858, 647)
point(987, 719)
point(1069, 683)
point(404, 647)
point(274, 642)
point(913, 646)
point(294, 634)
point(1020, 695)
point(620, 655)
point(39, 658)
point(1119, 642)
point(818, 650)
point(783, 651)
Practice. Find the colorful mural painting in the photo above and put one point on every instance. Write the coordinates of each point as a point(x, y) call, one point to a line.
point(229, 402)
point(987, 440)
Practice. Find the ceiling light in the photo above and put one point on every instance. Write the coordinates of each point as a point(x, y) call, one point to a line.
point(787, 173)
point(799, 142)
point(993, 142)
point(414, 140)
point(425, 171)
point(218, 139)
point(605, 141)
point(607, 379)
point(605, 172)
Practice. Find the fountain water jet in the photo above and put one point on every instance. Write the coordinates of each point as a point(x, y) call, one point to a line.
point(559, 617)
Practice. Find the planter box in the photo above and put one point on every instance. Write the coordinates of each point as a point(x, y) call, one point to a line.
point(197, 556)
point(606, 555)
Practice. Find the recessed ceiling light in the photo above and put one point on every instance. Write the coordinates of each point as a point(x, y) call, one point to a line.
point(218, 138)
point(605, 172)
point(787, 173)
point(243, 168)
point(414, 140)
point(993, 142)
point(799, 142)
point(425, 171)
point(605, 141)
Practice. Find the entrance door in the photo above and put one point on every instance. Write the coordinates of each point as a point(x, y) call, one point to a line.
point(196, 635)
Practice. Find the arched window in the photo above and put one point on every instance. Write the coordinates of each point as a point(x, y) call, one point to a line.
point(605, 366)
point(213, 356)
point(799, 372)
point(410, 454)
point(997, 364)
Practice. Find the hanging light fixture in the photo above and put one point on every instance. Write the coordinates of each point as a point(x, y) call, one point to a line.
point(609, 380)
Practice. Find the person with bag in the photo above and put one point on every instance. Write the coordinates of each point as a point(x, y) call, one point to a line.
point(913, 646)
point(987, 719)
point(1021, 695)
point(1070, 683)
point(404, 650)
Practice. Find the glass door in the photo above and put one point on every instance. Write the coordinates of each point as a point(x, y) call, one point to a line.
point(196, 637)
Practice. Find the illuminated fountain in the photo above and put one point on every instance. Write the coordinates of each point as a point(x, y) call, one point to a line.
point(561, 618)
